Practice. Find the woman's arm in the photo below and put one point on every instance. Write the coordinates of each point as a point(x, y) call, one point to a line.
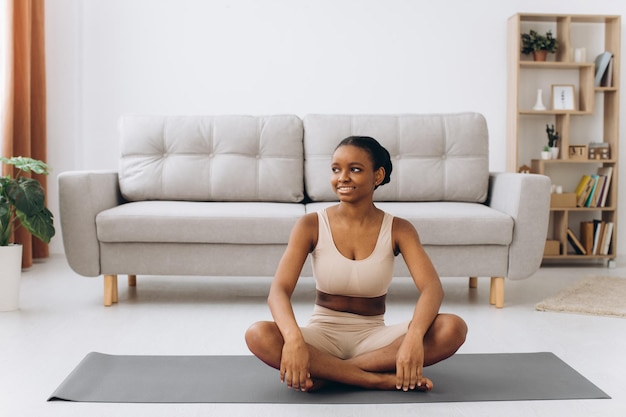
point(410, 358)
point(294, 367)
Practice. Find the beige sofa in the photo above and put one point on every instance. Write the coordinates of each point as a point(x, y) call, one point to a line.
point(218, 196)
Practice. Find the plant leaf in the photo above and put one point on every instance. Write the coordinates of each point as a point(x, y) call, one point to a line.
point(27, 164)
point(39, 224)
point(5, 221)
point(26, 194)
point(22, 201)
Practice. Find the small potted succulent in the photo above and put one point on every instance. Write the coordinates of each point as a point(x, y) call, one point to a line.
point(22, 203)
point(539, 45)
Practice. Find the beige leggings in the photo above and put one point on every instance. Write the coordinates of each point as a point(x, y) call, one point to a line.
point(346, 335)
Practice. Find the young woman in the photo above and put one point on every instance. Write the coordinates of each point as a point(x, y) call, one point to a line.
point(353, 245)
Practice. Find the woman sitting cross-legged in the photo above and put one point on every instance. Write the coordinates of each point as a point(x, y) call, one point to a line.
point(353, 245)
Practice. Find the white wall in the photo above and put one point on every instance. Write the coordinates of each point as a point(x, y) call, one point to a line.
point(110, 57)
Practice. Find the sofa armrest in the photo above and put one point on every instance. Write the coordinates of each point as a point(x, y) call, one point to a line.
point(82, 195)
point(526, 198)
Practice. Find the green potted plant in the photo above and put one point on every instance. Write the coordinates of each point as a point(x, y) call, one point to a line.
point(22, 203)
point(553, 139)
point(539, 45)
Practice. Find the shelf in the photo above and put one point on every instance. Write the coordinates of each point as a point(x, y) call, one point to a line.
point(554, 112)
point(605, 89)
point(582, 208)
point(573, 161)
point(578, 256)
point(596, 116)
point(574, 18)
point(556, 65)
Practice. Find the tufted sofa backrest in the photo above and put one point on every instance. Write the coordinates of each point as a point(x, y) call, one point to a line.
point(211, 158)
point(436, 157)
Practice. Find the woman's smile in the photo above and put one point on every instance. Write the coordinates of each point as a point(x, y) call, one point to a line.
point(345, 188)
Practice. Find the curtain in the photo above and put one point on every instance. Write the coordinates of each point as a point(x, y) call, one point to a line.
point(24, 121)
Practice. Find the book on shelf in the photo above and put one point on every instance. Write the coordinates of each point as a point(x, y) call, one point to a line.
point(573, 240)
point(606, 238)
point(589, 200)
point(583, 189)
point(605, 172)
point(601, 63)
point(581, 185)
point(595, 198)
point(598, 226)
point(607, 77)
point(586, 235)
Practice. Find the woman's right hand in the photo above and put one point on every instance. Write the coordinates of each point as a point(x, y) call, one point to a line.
point(294, 366)
point(294, 360)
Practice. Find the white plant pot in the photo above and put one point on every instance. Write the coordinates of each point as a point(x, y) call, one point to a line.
point(555, 152)
point(10, 274)
point(546, 155)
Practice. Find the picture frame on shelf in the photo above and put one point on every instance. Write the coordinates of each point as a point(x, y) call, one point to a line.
point(563, 97)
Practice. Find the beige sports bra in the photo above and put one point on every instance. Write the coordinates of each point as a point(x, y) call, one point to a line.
point(335, 274)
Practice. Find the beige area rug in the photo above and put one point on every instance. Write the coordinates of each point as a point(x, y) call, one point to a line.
point(595, 295)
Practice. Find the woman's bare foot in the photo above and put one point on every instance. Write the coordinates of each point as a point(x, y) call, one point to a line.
point(316, 385)
point(426, 385)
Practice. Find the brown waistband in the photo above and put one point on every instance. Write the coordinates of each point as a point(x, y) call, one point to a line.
point(365, 306)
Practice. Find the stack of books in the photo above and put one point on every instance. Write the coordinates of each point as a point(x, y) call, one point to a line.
point(592, 190)
point(596, 236)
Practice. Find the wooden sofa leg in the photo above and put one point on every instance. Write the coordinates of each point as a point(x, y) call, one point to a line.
point(115, 287)
point(110, 290)
point(132, 280)
point(496, 292)
point(473, 282)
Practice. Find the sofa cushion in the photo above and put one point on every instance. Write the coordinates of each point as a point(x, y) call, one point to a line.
point(438, 157)
point(449, 223)
point(211, 158)
point(198, 222)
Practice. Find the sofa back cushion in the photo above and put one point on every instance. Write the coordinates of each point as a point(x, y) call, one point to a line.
point(436, 157)
point(212, 158)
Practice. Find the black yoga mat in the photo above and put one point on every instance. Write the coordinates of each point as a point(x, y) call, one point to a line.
point(245, 379)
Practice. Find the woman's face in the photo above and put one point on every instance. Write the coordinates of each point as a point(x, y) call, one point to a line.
point(353, 174)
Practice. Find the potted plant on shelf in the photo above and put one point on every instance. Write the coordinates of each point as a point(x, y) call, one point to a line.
point(22, 203)
point(553, 138)
point(539, 45)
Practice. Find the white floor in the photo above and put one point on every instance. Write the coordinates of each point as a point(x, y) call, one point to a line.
point(61, 319)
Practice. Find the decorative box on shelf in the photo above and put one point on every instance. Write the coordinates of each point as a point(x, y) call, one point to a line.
point(599, 150)
point(552, 248)
point(578, 152)
point(562, 200)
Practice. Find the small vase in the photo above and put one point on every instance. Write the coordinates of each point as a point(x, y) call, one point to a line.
point(554, 152)
point(539, 103)
point(540, 55)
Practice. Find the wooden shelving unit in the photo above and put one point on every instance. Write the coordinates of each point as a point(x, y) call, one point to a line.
point(594, 119)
